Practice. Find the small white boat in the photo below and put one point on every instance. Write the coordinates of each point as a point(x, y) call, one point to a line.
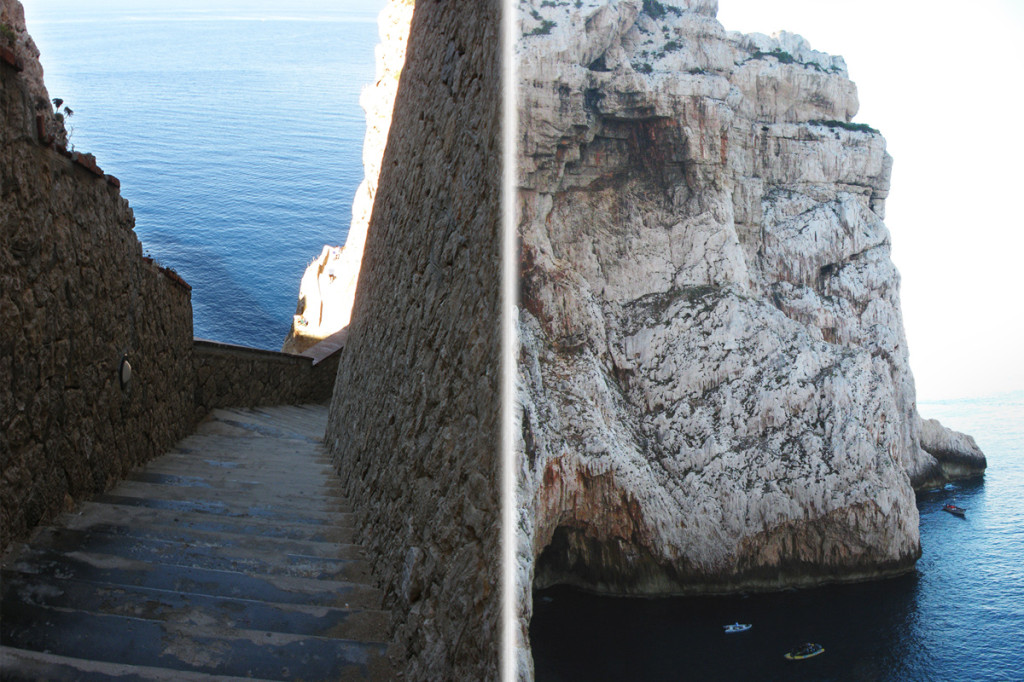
point(737, 627)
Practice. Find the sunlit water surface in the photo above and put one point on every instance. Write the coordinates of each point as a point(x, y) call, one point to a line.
point(959, 616)
point(237, 137)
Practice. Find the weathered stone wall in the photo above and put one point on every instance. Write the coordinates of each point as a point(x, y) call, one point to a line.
point(236, 376)
point(414, 424)
point(75, 296)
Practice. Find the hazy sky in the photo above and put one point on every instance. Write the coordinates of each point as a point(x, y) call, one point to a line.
point(942, 81)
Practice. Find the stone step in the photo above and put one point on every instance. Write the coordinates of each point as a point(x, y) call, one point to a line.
point(21, 665)
point(239, 558)
point(197, 648)
point(304, 489)
point(113, 570)
point(248, 422)
point(229, 557)
point(206, 469)
point(243, 444)
point(263, 513)
point(254, 447)
point(254, 541)
point(368, 625)
point(309, 420)
point(284, 495)
point(142, 518)
point(236, 428)
point(207, 466)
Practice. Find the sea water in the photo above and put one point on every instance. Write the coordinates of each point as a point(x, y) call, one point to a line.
point(958, 616)
point(236, 134)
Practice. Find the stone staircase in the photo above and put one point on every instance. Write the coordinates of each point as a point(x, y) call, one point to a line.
point(228, 557)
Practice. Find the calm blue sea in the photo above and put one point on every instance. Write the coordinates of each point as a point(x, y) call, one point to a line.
point(236, 134)
point(959, 616)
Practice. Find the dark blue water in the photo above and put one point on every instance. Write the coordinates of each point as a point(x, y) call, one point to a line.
point(959, 616)
point(236, 134)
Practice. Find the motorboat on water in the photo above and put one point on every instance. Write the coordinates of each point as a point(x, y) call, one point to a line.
point(954, 510)
point(737, 627)
point(806, 650)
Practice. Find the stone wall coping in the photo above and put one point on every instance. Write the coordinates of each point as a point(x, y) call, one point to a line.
point(326, 347)
point(230, 349)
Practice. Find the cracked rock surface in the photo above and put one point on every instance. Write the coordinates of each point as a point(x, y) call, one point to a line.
point(714, 377)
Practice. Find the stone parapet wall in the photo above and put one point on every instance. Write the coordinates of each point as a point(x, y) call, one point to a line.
point(415, 419)
point(236, 376)
point(76, 296)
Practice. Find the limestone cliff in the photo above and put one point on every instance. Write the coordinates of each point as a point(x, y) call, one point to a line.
point(328, 286)
point(713, 371)
point(316, 318)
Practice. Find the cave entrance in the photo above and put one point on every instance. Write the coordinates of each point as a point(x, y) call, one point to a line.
point(574, 557)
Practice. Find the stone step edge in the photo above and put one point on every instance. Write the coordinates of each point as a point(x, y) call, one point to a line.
point(246, 450)
point(97, 558)
point(288, 491)
point(257, 637)
point(269, 432)
point(43, 538)
point(246, 470)
point(201, 517)
point(162, 492)
point(39, 665)
point(325, 486)
point(198, 538)
point(270, 514)
point(139, 589)
point(239, 466)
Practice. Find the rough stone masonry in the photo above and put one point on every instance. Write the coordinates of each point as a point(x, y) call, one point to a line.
point(414, 423)
point(77, 296)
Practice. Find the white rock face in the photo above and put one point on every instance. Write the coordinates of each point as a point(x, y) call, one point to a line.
point(714, 379)
point(378, 101)
point(317, 316)
point(957, 453)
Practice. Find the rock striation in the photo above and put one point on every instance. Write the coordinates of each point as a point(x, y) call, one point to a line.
point(328, 286)
point(714, 377)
